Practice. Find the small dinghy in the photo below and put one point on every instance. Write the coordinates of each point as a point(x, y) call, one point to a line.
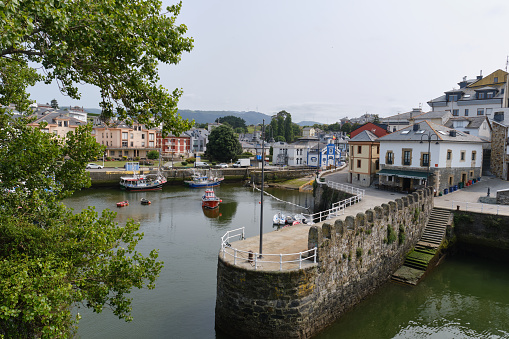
point(145, 201)
point(123, 203)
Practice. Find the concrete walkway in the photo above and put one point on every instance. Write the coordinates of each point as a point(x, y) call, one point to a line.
point(294, 239)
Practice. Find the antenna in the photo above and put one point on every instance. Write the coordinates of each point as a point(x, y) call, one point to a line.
point(506, 63)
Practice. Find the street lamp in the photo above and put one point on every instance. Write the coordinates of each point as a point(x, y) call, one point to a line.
point(429, 136)
point(261, 197)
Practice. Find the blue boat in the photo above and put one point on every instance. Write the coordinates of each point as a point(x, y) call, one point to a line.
point(200, 180)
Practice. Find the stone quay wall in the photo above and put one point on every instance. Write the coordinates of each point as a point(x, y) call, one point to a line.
point(355, 257)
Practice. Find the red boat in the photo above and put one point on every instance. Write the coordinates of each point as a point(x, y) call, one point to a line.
point(209, 199)
point(123, 203)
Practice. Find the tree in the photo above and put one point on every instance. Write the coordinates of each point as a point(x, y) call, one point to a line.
point(153, 154)
point(235, 122)
point(346, 127)
point(51, 258)
point(115, 46)
point(223, 144)
point(288, 128)
point(54, 103)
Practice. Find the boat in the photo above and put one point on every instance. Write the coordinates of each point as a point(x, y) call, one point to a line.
point(279, 219)
point(145, 201)
point(123, 203)
point(210, 200)
point(201, 180)
point(141, 182)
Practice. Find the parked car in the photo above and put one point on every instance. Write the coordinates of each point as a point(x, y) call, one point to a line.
point(94, 166)
point(222, 165)
point(200, 164)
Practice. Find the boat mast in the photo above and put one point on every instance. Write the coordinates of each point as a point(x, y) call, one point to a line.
point(261, 197)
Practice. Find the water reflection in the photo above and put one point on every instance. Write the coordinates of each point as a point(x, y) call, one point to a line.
point(211, 213)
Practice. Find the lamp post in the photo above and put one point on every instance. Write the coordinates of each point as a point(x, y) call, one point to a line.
point(429, 137)
point(261, 197)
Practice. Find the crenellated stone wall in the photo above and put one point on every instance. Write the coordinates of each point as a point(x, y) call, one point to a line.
point(355, 257)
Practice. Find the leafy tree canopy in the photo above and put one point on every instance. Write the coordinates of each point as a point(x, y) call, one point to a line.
point(235, 122)
point(114, 45)
point(54, 103)
point(153, 154)
point(223, 144)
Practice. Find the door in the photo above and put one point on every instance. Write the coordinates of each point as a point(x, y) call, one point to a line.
point(407, 182)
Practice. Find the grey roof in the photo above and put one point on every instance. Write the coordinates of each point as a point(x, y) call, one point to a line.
point(432, 115)
point(364, 136)
point(403, 116)
point(50, 119)
point(428, 128)
point(474, 122)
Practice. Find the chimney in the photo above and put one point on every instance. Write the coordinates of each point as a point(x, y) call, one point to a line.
point(479, 77)
point(452, 133)
point(416, 127)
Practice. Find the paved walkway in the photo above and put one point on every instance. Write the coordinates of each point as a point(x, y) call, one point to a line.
point(294, 239)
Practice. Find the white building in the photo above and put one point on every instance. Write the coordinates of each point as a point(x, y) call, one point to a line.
point(476, 97)
point(445, 155)
point(306, 152)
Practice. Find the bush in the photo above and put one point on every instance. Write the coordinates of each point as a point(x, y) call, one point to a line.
point(153, 154)
point(184, 163)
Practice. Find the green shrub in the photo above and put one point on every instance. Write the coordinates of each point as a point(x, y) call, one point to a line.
point(401, 235)
point(391, 234)
point(184, 163)
point(358, 252)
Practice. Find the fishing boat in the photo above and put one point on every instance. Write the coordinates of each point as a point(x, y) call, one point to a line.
point(141, 182)
point(210, 200)
point(145, 201)
point(123, 203)
point(201, 180)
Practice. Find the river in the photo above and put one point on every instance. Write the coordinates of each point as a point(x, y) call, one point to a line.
point(464, 297)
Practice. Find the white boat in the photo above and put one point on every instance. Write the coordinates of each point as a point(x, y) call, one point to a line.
point(141, 182)
point(279, 219)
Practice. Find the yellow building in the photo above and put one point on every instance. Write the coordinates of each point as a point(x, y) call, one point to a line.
point(364, 158)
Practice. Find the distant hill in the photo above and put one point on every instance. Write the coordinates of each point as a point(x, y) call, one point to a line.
point(201, 117)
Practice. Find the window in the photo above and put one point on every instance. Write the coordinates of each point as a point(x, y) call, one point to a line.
point(60, 124)
point(462, 156)
point(151, 136)
point(473, 155)
point(453, 97)
point(143, 144)
point(425, 159)
point(407, 157)
point(112, 152)
point(124, 135)
point(124, 143)
point(359, 149)
point(358, 177)
point(358, 164)
point(389, 178)
point(390, 158)
point(495, 80)
point(65, 124)
point(489, 95)
point(466, 112)
point(456, 112)
point(150, 144)
point(132, 135)
point(132, 144)
point(480, 95)
point(480, 111)
point(449, 155)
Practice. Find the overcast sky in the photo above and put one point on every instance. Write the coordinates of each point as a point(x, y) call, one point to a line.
point(326, 59)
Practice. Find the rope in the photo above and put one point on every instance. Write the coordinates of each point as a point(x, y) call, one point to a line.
point(286, 202)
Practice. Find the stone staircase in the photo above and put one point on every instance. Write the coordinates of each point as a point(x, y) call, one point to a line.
point(417, 261)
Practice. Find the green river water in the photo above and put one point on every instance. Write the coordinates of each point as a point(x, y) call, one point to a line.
point(465, 297)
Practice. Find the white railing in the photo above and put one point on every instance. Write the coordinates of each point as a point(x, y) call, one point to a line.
point(338, 208)
point(477, 207)
point(241, 256)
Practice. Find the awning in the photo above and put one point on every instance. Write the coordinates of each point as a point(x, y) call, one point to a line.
point(403, 174)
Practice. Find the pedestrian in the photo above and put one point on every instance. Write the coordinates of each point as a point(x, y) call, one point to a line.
point(488, 191)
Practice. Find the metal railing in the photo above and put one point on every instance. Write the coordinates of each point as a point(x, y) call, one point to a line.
point(477, 207)
point(241, 256)
point(338, 208)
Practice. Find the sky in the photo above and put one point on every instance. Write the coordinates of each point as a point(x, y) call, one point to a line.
point(327, 59)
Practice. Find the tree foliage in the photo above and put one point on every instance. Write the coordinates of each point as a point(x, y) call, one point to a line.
point(223, 144)
point(50, 257)
point(281, 127)
point(114, 45)
point(153, 154)
point(54, 103)
point(238, 124)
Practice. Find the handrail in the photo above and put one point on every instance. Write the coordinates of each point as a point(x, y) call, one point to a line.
point(477, 207)
point(255, 259)
point(338, 208)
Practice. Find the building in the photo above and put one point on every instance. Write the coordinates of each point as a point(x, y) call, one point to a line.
point(198, 138)
point(306, 152)
point(376, 129)
point(364, 158)
point(446, 156)
point(476, 97)
point(400, 120)
point(173, 146)
point(57, 123)
point(123, 140)
point(436, 117)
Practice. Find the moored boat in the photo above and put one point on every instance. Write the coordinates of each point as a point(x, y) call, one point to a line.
point(200, 180)
point(279, 219)
point(145, 201)
point(210, 200)
point(123, 203)
point(142, 182)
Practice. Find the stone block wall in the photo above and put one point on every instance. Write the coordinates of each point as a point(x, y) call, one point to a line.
point(355, 257)
point(443, 175)
point(503, 197)
point(498, 150)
